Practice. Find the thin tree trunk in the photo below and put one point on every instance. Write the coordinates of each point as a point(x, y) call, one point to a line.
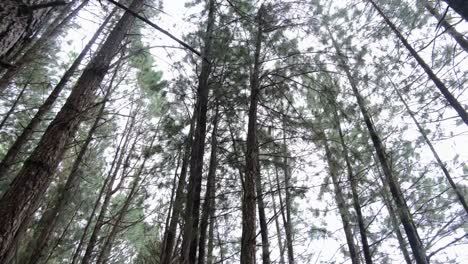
point(438, 83)
point(116, 160)
point(171, 202)
point(457, 36)
point(394, 220)
point(39, 48)
point(403, 210)
point(107, 246)
point(13, 108)
point(210, 194)
point(192, 212)
point(26, 191)
point(278, 230)
point(13, 152)
point(87, 258)
point(340, 201)
point(460, 6)
point(442, 166)
point(287, 178)
point(251, 158)
point(209, 256)
point(262, 217)
point(171, 230)
point(354, 192)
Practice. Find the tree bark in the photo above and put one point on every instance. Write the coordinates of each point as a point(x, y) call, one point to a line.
point(192, 212)
point(37, 247)
point(457, 36)
point(18, 22)
point(39, 48)
point(402, 207)
point(13, 152)
point(438, 83)
point(208, 205)
point(251, 158)
point(25, 193)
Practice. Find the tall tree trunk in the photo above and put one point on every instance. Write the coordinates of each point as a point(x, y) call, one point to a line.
point(457, 36)
point(287, 179)
point(441, 164)
point(116, 227)
point(460, 6)
point(333, 168)
point(277, 224)
point(26, 191)
point(262, 217)
point(13, 152)
point(171, 230)
point(438, 83)
point(251, 158)
point(353, 182)
point(87, 258)
point(18, 22)
point(393, 219)
point(39, 48)
point(117, 160)
point(192, 212)
point(402, 207)
point(13, 108)
point(209, 256)
point(210, 194)
point(37, 247)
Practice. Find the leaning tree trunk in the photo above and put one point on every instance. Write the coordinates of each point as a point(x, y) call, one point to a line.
point(116, 227)
point(451, 30)
point(354, 192)
point(438, 83)
point(192, 211)
point(167, 246)
point(13, 152)
point(25, 193)
point(251, 157)
point(40, 47)
point(93, 240)
point(395, 224)
point(118, 156)
point(402, 207)
point(19, 20)
point(441, 164)
point(37, 247)
point(340, 201)
point(208, 204)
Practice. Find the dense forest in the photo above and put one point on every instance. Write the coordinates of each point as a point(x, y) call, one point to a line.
point(259, 131)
